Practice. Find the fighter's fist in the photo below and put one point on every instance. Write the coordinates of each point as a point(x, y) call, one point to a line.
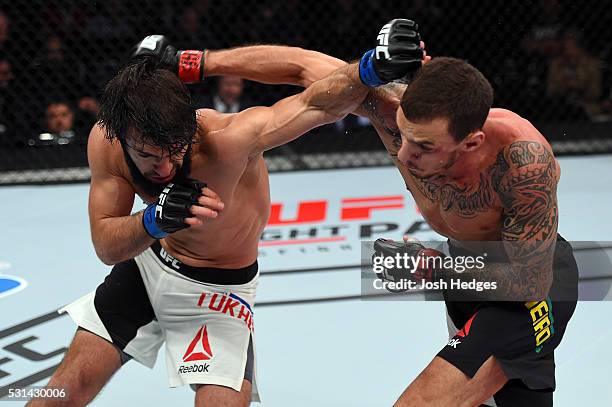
point(398, 54)
point(173, 206)
point(188, 65)
point(413, 261)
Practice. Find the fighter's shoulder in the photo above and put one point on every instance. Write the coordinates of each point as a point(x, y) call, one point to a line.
point(497, 113)
point(102, 153)
point(211, 120)
point(508, 127)
point(214, 126)
point(99, 147)
point(229, 132)
point(525, 163)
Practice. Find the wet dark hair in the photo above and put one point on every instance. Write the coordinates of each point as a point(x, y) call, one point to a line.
point(452, 89)
point(151, 101)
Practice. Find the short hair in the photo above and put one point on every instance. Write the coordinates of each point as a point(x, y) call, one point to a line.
point(152, 100)
point(452, 89)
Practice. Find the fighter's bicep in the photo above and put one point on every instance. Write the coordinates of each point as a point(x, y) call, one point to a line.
point(110, 194)
point(526, 179)
point(526, 182)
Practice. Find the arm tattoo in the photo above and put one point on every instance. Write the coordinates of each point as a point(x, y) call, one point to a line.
point(525, 178)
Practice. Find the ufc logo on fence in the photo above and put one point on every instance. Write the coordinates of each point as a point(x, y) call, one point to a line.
point(383, 42)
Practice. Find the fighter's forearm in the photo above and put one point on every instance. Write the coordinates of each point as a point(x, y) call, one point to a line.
point(273, 64)
point(119, 239)
point(339, 93)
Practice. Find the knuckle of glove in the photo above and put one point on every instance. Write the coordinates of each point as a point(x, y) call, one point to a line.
point(150, 45)
point(405, 22)
point(405, 37)
point(169, 57)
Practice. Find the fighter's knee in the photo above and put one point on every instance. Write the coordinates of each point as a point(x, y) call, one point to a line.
point(77, 384)
point(212, 395)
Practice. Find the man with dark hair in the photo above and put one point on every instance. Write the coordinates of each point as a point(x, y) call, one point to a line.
point(228, 96)
point(185, 268)
point(59, 118)
point(479, 176)
point(487, 175)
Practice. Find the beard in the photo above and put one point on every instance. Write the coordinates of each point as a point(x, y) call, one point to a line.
point(452, 160)
point(181, 176)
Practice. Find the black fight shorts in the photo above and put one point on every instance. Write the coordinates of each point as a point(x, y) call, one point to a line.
point(521, 336)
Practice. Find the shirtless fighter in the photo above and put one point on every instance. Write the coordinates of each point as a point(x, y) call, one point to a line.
point(185, 268)
point(477, 174)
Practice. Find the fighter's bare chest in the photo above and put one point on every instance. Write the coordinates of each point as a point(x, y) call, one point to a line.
point(222, 179)
point(471, 211)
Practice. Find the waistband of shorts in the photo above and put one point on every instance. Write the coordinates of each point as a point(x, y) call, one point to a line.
point(210, 275)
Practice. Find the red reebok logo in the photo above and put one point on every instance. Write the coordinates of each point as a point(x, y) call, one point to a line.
point(465, 331)
point(203, 351)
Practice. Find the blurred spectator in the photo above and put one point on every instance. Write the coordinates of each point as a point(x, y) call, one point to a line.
point(6, 73)
point(4, 30)
point(112, 21)
point(65, 17)
point(59, 119)
point(64, 125)
point(53, 73)
point(89, 105)
point(204, 24)
point(58, 127)
point(544, 37)
point(188, 31)
point(270, 18)
point(429, 17)
point(7, 100)
point(542, 42)
point(574, 80)
point(7, 40)
point(227, 97)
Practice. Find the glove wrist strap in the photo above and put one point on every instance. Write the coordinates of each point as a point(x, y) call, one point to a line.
point(367, 73)
point(150, 226)
point(191, 66)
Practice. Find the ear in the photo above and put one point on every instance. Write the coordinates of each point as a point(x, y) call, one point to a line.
point(473, 141)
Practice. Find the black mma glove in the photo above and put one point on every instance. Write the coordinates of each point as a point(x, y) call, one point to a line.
point(188, 65)
point(173, 205)
point(428, 261)
point(398, 54)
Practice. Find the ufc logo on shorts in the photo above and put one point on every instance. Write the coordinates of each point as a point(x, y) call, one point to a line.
point(453, 343)
point(383, 42)
point(170, 259)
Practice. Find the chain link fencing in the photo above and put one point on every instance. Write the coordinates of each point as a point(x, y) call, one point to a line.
point(548, 60)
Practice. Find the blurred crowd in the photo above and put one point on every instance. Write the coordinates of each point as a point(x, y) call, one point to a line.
point(547, 59)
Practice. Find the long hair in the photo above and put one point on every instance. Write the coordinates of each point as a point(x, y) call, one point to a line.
point(151, 104)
